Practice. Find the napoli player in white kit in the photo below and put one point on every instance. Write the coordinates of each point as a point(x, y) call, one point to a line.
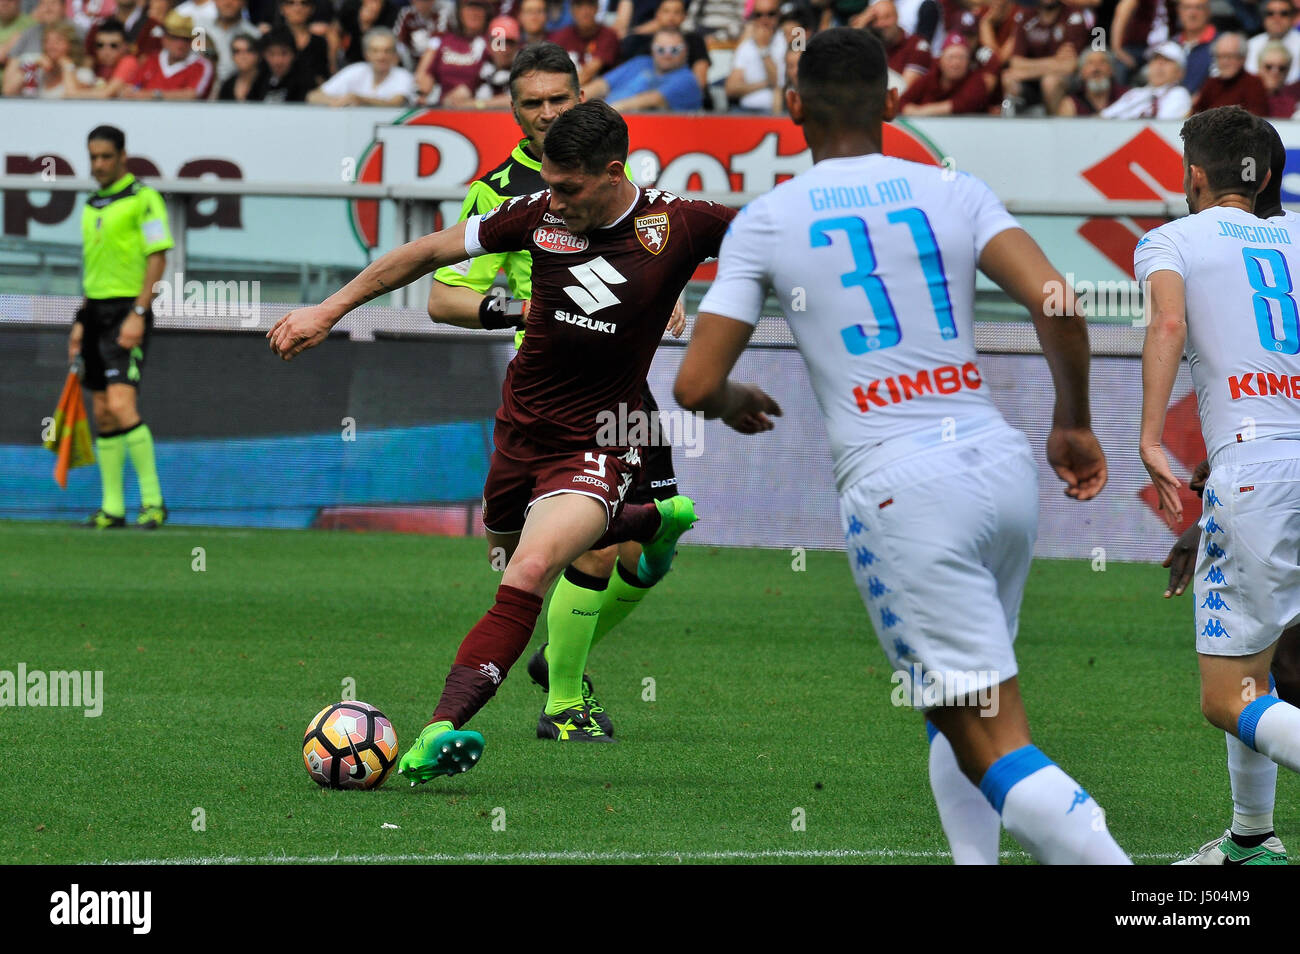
point(1220, 285)
point(874, 261)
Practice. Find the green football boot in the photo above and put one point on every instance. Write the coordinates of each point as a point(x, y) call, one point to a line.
point(151, 518)
point(677, 515)
point(1225, 851)
point(440, 751)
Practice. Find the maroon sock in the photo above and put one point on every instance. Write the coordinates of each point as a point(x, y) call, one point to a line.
point(486, 655)
point(637, 522)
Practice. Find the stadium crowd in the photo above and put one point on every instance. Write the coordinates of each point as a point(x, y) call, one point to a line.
point(1108, 58)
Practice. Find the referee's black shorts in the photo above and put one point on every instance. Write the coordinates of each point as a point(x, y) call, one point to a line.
point(658, 479)
point(107, 362)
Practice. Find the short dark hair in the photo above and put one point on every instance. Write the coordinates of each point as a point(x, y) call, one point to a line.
point(1232, 148)
point(589, 136)
point(108, 134)
point(843, 76)
point(1268, 202)
point(543, 58)
point(111, 25)
point(279, 36)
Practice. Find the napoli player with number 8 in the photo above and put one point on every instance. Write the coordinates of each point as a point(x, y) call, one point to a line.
point(609, 262)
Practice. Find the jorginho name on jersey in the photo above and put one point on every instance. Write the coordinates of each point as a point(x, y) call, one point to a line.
point(1243, 323)
point(890, 347)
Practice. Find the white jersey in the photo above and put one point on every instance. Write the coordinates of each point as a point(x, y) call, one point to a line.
point(1243, 323)
point(873, 260)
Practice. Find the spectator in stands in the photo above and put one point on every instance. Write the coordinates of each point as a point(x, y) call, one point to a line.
point(659, 81)
point(633, 17)
point(417, 24)
point(114, 66)
point(757, 79)
point(1233, 86)
point(592, 47)
point(379, 81)
point(244, 84)
point(12, 24)
point(1138, 25)
point(281, 83)
point(85, 13)
point(532, 22)
point(1274, 64)
point(1047, 51)
point(721, 21)
point(951, 89)
point(963, 17)
point(1195, 36)
point(149, 39)
point(1279, 27)
point(203, 13)
point(670, 15)
point(1095, 87)
point(230, 24)
point(57, 72)
point(493, 90)
point(557, 15)
point(920, 18)
point(909, 55)
point(999, 28)
point(139, 26)
point(1163, 97)
point(359, 17)
point(46, 13)
point(454, 59)
point(176, 71)
point(314, 52)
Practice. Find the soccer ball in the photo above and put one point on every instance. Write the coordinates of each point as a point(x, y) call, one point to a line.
point(349, 745)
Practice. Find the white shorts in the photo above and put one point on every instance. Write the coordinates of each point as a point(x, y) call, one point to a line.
point(1247, 582)
point(940, 545)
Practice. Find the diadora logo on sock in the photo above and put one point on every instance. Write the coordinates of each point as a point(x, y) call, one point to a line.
point(491, 671)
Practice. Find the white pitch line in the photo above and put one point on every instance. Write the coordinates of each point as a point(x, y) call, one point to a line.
point(774, 855)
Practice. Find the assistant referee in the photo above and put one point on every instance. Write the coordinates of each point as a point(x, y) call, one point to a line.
point(125, 239)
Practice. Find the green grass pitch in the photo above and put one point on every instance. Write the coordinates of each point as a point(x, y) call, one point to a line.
point(770, 696)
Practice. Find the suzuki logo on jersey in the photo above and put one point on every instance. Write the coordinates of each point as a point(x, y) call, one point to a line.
point(945, 379)
point(582, 321)
point(559, 240)
point(1263, 384)
point(652, 231)
point(594, 292)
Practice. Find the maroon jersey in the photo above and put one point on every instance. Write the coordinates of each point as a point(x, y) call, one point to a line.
point(600, 304)
point(1037, 39)
point(911, 52)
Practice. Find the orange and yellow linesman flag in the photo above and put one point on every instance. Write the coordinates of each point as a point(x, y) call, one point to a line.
point(71, 437)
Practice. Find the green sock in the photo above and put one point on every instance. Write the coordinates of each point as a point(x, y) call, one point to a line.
point(438, 728)
point(622, 596)
point(139, 441)
point(111, 451)
point(570, 621)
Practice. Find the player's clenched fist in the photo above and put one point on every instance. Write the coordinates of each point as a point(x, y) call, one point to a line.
point(1076, 456)
point(299, 330)
point(749, 410)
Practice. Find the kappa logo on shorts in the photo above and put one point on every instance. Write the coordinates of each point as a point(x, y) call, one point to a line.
point(652, 231)
point(559, 240)
point(588, 479)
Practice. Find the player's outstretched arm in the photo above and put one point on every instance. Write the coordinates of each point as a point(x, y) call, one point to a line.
point(702, 384)
point(305, 328)
point(1161, 352)
point(1014, 260)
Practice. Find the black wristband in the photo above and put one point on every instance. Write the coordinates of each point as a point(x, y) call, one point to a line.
point(499, 310)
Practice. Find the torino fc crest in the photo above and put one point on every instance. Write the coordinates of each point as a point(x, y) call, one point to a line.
point(652, 231)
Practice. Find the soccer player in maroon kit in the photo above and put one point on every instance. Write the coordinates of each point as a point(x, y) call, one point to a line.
point(609, 262)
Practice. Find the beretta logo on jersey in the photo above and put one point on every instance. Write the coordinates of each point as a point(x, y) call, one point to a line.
point(652, 231)
point(559, 240)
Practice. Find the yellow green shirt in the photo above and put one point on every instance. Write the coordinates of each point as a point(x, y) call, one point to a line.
point(121, 226)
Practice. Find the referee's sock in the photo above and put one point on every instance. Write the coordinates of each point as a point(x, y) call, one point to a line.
point(139, 442)
point(110, 448)
point(623, 594)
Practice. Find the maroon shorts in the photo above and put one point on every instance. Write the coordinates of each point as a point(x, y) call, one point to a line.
point(521, 473)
